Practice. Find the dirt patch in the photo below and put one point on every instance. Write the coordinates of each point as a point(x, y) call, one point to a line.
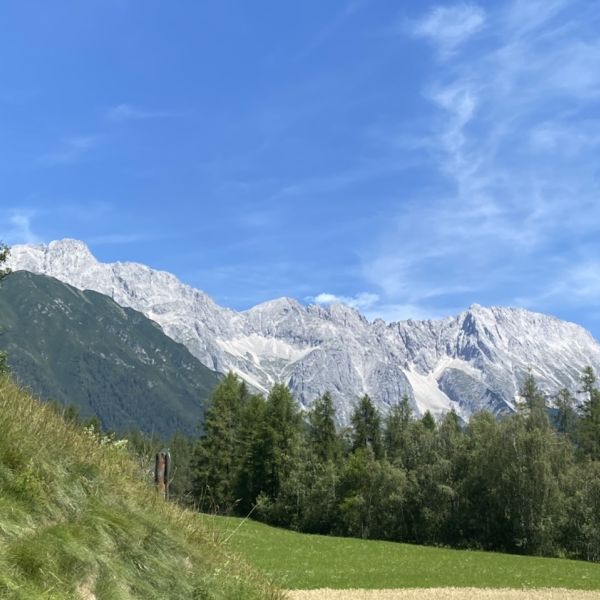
point(84, 589)
point(443, 594)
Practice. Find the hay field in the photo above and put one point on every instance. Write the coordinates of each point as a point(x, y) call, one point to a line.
point(296, 561)
point(443, 594)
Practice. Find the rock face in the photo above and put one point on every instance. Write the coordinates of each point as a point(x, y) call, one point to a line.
point(475, 360)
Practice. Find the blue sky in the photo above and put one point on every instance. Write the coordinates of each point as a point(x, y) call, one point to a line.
point(405, 157)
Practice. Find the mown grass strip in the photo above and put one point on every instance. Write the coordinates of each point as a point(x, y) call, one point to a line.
point(299, 561)
point(443, 594)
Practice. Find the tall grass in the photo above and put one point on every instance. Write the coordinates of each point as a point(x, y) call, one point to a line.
point(79, 520)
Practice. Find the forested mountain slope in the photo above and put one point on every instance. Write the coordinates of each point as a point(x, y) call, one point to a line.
point(82, 348)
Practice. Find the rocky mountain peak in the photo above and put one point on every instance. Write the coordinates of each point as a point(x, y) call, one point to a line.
point(345, 315)
point(281, 305)
point(475, 360)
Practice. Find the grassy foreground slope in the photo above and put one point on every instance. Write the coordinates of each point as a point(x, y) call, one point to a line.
point(77, 521)
point(300, 561)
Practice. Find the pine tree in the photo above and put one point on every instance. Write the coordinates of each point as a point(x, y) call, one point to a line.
point(535, 404)
point(428, 421)
point(366, 427)
point(321, 429)
point(566, 418)
point(4, 252)
point(217, 455)
point(588, 379)
point(253, 446)
point(281, 438)
point(589, 430)
point(397, 432)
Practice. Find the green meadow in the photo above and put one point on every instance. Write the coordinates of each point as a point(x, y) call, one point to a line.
point(299, 561)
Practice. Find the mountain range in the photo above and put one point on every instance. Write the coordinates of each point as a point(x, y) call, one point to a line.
point(475, 360)
point(81, 348)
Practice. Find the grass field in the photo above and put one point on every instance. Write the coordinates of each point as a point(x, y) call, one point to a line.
point(296, 561)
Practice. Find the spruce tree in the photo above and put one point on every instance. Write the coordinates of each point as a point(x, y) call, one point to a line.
point(397, 432)
point(4, 252)
point(366, 427)
point(535, 403)
point(589, 430)
point(428, 421)
point(217, 455)
point(566, 417)
point(253, 445)
point(588, 380)
point(321, 429)
point(281, 438)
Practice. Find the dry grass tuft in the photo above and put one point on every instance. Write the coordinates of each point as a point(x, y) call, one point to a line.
point(84, 591)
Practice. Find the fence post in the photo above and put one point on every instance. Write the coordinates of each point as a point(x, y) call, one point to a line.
point(162, 472)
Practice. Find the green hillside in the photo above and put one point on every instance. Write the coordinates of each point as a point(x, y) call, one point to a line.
point(84, 349)
point(79, 521)
point(301, 561)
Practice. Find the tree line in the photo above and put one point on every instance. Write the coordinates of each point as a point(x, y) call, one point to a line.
point(526, 483)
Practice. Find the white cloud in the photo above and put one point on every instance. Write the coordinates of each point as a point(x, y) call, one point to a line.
point(361, 301)
point(126, 112)
point(17, 227)
point(513, 137)
point(371, 306)
point(448, 27)
point(572, 285)
point(525, 16)
point(558, 137)
point(70, 151)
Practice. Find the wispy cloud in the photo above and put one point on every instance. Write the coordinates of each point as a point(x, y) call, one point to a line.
point(516, 211)
point(362, 301)
point(579, 285)
point(347, 11)
point(524, 16)
point(16, 227)
point(128, 112)
point(448, 27)
point(70, 151)
point(371, 306)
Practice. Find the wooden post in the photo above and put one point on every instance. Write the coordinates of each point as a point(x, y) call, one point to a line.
point(162, 472)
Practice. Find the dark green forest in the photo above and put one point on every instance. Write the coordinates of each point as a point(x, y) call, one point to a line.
point(82, 348)
point(528, 483)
